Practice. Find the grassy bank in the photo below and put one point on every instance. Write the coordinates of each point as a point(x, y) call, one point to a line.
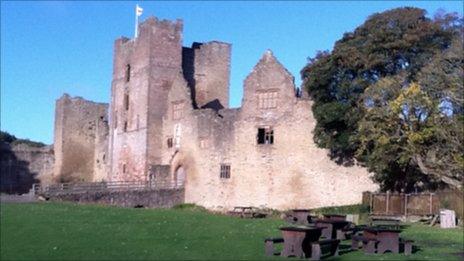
point(62, 231)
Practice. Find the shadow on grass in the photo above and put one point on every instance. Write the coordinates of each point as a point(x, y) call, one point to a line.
point(344, 249)
point(404, 226)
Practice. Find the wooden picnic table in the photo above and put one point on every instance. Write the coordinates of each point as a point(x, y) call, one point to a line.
point(246, 212)
point(301, 217)
point(335, 217)
point(297, 240)
point(385, 222)
point(388, 239)
point(243, 208)
point(330, 228)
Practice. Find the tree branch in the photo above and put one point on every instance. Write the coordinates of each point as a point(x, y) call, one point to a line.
point(427, 171)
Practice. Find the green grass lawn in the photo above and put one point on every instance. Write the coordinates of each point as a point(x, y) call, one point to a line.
point(65, 231)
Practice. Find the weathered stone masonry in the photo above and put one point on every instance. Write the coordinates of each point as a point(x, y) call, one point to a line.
point(169, 111)
point(80, 141)
point(22, 165)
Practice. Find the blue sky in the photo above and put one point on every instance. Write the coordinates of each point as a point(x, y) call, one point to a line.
point(51, 48)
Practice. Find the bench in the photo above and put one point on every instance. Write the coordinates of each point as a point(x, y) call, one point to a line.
point(407, 246)
point(240, 211)
point(385, 222)
point(352, 230)
point(369, 245)
point(269, 248)
point(317, 246)
point(246, 212)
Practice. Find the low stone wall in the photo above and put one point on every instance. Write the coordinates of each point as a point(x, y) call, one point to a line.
point(22, 165)
point(160, 198)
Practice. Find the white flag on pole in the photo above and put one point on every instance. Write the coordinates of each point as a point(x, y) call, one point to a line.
point(138, 10)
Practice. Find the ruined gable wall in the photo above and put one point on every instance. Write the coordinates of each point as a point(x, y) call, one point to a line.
point(291, 173)
point(75, 134)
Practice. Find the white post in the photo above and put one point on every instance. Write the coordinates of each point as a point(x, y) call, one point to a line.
point(136, 21)
point(406, 205)
point(388, 199)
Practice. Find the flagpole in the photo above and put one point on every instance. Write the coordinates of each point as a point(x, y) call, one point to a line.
point(136, 21)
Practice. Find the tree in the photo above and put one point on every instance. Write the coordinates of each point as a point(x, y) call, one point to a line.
point(376, 95)
point(8, 138)
point(442, 155)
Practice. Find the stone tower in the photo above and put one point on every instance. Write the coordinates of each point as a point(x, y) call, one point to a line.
point(143, 71)
point(80, 140)
point(206, 68)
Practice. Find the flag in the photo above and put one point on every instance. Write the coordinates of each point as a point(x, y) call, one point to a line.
point(138, 10)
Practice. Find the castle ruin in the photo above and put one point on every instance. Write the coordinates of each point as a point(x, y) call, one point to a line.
point(169, 120)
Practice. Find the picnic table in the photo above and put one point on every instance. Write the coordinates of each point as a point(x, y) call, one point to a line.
point(385, 222)
point(335, 217)
point(332, 229)
point(301, 217)
point(246, 212)
point(388, 239)
point(297, 240)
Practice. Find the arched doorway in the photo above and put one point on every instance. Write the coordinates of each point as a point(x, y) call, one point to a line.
point(179, 177)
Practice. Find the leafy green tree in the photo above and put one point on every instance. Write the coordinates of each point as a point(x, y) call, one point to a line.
point(8, 138)
point(376, 95)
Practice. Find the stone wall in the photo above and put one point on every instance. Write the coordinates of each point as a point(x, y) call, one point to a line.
point(161, 198)
point(101, 149)
point(206, 68)
point(79, 139)
point(211, 74)
point(290, 173)
point(138, 102)
point(21, 165)
point(166, 109)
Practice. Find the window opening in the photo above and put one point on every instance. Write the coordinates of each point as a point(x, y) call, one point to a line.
point(225, 171)
point(128, 72)
point(126, 101)
point(267, 100)
point(265, 136)
point(177, 111)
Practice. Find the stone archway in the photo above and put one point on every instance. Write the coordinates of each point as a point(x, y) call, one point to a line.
point(178, 170)
point(179, 176)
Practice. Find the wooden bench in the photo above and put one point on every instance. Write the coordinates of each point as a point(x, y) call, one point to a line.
point(385, 222)
point(316, 248)
point(246, 212)
point(369, 245)
point(269, 248)
point(352, 230)
point(240, 211)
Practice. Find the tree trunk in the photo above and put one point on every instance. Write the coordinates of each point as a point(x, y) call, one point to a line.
point(453, 182)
